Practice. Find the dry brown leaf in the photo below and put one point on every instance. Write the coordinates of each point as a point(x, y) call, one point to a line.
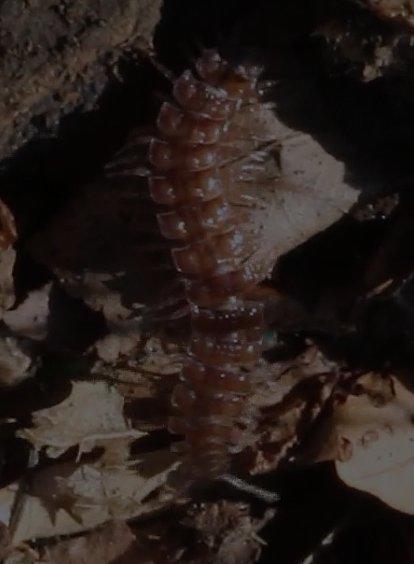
point(120, 344)
point(23, 554)
point(294, 397)
point(129, 381)
point(281, 377)
point(102, 546)
point(5, 541)
point(376, 446)
point(160, 358)
point(69, 498)
point(290, 188)
point(228, 531)
point(401, 11)
point(378, 388)
point(94, 289)
point(7, 499)
point(7, 260)
point(29, 319)
point(150, 372)
point(124, 326)
point(15, 363)
point(91, 416)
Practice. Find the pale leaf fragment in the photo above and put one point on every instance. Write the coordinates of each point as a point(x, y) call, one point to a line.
point(94, 289)
point(91, 416)
point(29, 319)
point(23, 554)
point(7, 500)
point(376, 447)
point(121, 342)
point(286, 189)
point(286, 405)
point(15, 363)
point(69, 498)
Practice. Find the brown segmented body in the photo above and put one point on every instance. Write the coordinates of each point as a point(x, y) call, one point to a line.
point(198, 139)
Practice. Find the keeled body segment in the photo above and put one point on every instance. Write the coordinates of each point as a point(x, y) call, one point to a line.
point(190, 176)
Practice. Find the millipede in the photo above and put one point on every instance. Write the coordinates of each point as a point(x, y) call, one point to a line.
point(198, 138)
point(204, 162)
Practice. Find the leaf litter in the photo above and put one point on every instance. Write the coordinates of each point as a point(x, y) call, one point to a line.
point(99, 458)
point(102, 482)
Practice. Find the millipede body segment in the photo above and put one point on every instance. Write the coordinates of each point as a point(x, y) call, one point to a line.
point(199, 137)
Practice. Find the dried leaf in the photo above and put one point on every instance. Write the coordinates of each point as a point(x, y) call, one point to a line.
point(130, 381)
point(5, 542)
point(403, 12)
point(160, 358)
point(69, 498)
point(7, 499)
point(150, 372)
point(23, 554)
point(290, 188)
point(293, 399)
point(91, 416)
point(375, 441)
point(121, 342)
point(15, 363)
point(99, 547)
point(228, 531)
point(94, 289)
point(29, 319)
point(7, 259)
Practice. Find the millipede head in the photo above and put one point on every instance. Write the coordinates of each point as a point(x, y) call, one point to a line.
point(202, 99)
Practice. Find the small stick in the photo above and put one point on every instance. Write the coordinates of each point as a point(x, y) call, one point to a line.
point(265, 495)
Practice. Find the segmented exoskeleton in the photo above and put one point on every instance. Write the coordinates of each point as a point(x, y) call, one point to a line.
point(199, 137)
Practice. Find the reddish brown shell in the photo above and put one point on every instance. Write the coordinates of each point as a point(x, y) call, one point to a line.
point(199, 136)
